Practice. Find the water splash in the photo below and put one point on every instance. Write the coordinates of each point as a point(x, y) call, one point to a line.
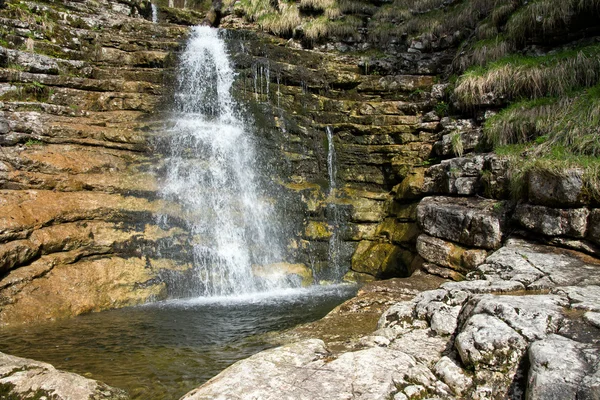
point(211, 172)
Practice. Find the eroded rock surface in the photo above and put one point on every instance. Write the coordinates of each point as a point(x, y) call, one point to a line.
point(21, 378)
point(491, 336)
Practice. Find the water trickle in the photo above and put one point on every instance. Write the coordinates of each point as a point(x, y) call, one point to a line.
point(154, 13)
point(333, 212)
point(211, 172)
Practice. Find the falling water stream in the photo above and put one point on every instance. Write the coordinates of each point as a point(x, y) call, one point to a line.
point(333, 212)
point(162, 350)
point(212, 172)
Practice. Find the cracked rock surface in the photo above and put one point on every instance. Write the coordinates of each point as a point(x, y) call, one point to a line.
point(493, 336)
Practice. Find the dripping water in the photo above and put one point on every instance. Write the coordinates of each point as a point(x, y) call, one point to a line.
point(211, 171)
point(154, 13)
point(333, 212)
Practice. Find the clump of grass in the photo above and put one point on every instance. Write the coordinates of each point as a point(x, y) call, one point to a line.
point(571, 123)
point(555, 162)
point(530, 77)
point(316, 29)
point(282, 23)
point(457, 144)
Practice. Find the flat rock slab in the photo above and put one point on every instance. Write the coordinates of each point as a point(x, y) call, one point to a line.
point(302, 371)
point(22, 378)
point(540, 267)
point(468, 221)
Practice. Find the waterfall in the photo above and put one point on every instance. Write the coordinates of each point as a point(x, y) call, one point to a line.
point(211, 172)
point(333, 217)
point(154, 13)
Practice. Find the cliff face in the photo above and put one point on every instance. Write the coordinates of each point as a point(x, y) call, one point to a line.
point(80, 85)
point(352, 111)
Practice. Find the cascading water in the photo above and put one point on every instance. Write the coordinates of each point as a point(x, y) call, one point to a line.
point(211, 172)
point(333, 211)
point(154, 13)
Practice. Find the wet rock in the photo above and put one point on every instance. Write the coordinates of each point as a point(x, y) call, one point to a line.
point(556, 190)
point(553, 221)
point(468, 221)
point(20, 378)
point(381, 259)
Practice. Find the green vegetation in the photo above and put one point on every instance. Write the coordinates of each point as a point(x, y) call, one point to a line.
point(33, 142)
point(518, 77)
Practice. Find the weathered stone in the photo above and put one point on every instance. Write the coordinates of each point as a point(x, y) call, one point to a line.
point(485, 342)
point(552, 221)
point(448, 254)
point(592, 318)
point(539, 267)
point(412, 186)
point(460, 176)
point(494, 177)
point(453, 376)
point(582, 297)
point(381, 259)
point(460, 139)
point(594, 226)
point(20, 378)
point(556, 190)
point(374, 372)
point(472, 222)
point(397, 231)
point(562, 369)
point(447, 273)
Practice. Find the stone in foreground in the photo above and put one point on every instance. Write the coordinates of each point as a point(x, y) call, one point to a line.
point(21, 378)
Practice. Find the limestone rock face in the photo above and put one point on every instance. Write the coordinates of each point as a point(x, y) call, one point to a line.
point(552, 221)
point(21, 378)
point(468, 339)
point(448, 254)
point(468, 221)
point(561, 191)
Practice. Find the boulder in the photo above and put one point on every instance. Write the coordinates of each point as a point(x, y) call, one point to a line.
point(448, 254)
point(553, 221)
point(558, 190)
point(22, 378)
point(468, 221)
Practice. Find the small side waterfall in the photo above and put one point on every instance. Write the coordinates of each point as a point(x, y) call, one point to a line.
point(154, 13)
point(211, 172)
point(333, 217)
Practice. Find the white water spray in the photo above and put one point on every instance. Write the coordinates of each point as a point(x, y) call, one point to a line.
point(333, 213)
point(211, 173)
point(154, 13)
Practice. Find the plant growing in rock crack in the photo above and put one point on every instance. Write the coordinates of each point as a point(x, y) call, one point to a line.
point(442, 109)
point(457, 144)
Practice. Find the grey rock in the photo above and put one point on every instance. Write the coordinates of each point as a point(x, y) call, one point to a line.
point(495, 181)
point(32, 62)
point(468, 136)
point(453, 376)
point(483, 286)
point(592, 318)
point(468, 221)
point(557, 190)
point(553, 221)
point(299, 371)
point(487, 342)
point(539, 267)
point(460, 176)
point(560, 370)
point(594, 226)
point(22, 377)
point(533, 316)
point(581, 297)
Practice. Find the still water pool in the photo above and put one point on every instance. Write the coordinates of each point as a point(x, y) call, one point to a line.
point(162, 350)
